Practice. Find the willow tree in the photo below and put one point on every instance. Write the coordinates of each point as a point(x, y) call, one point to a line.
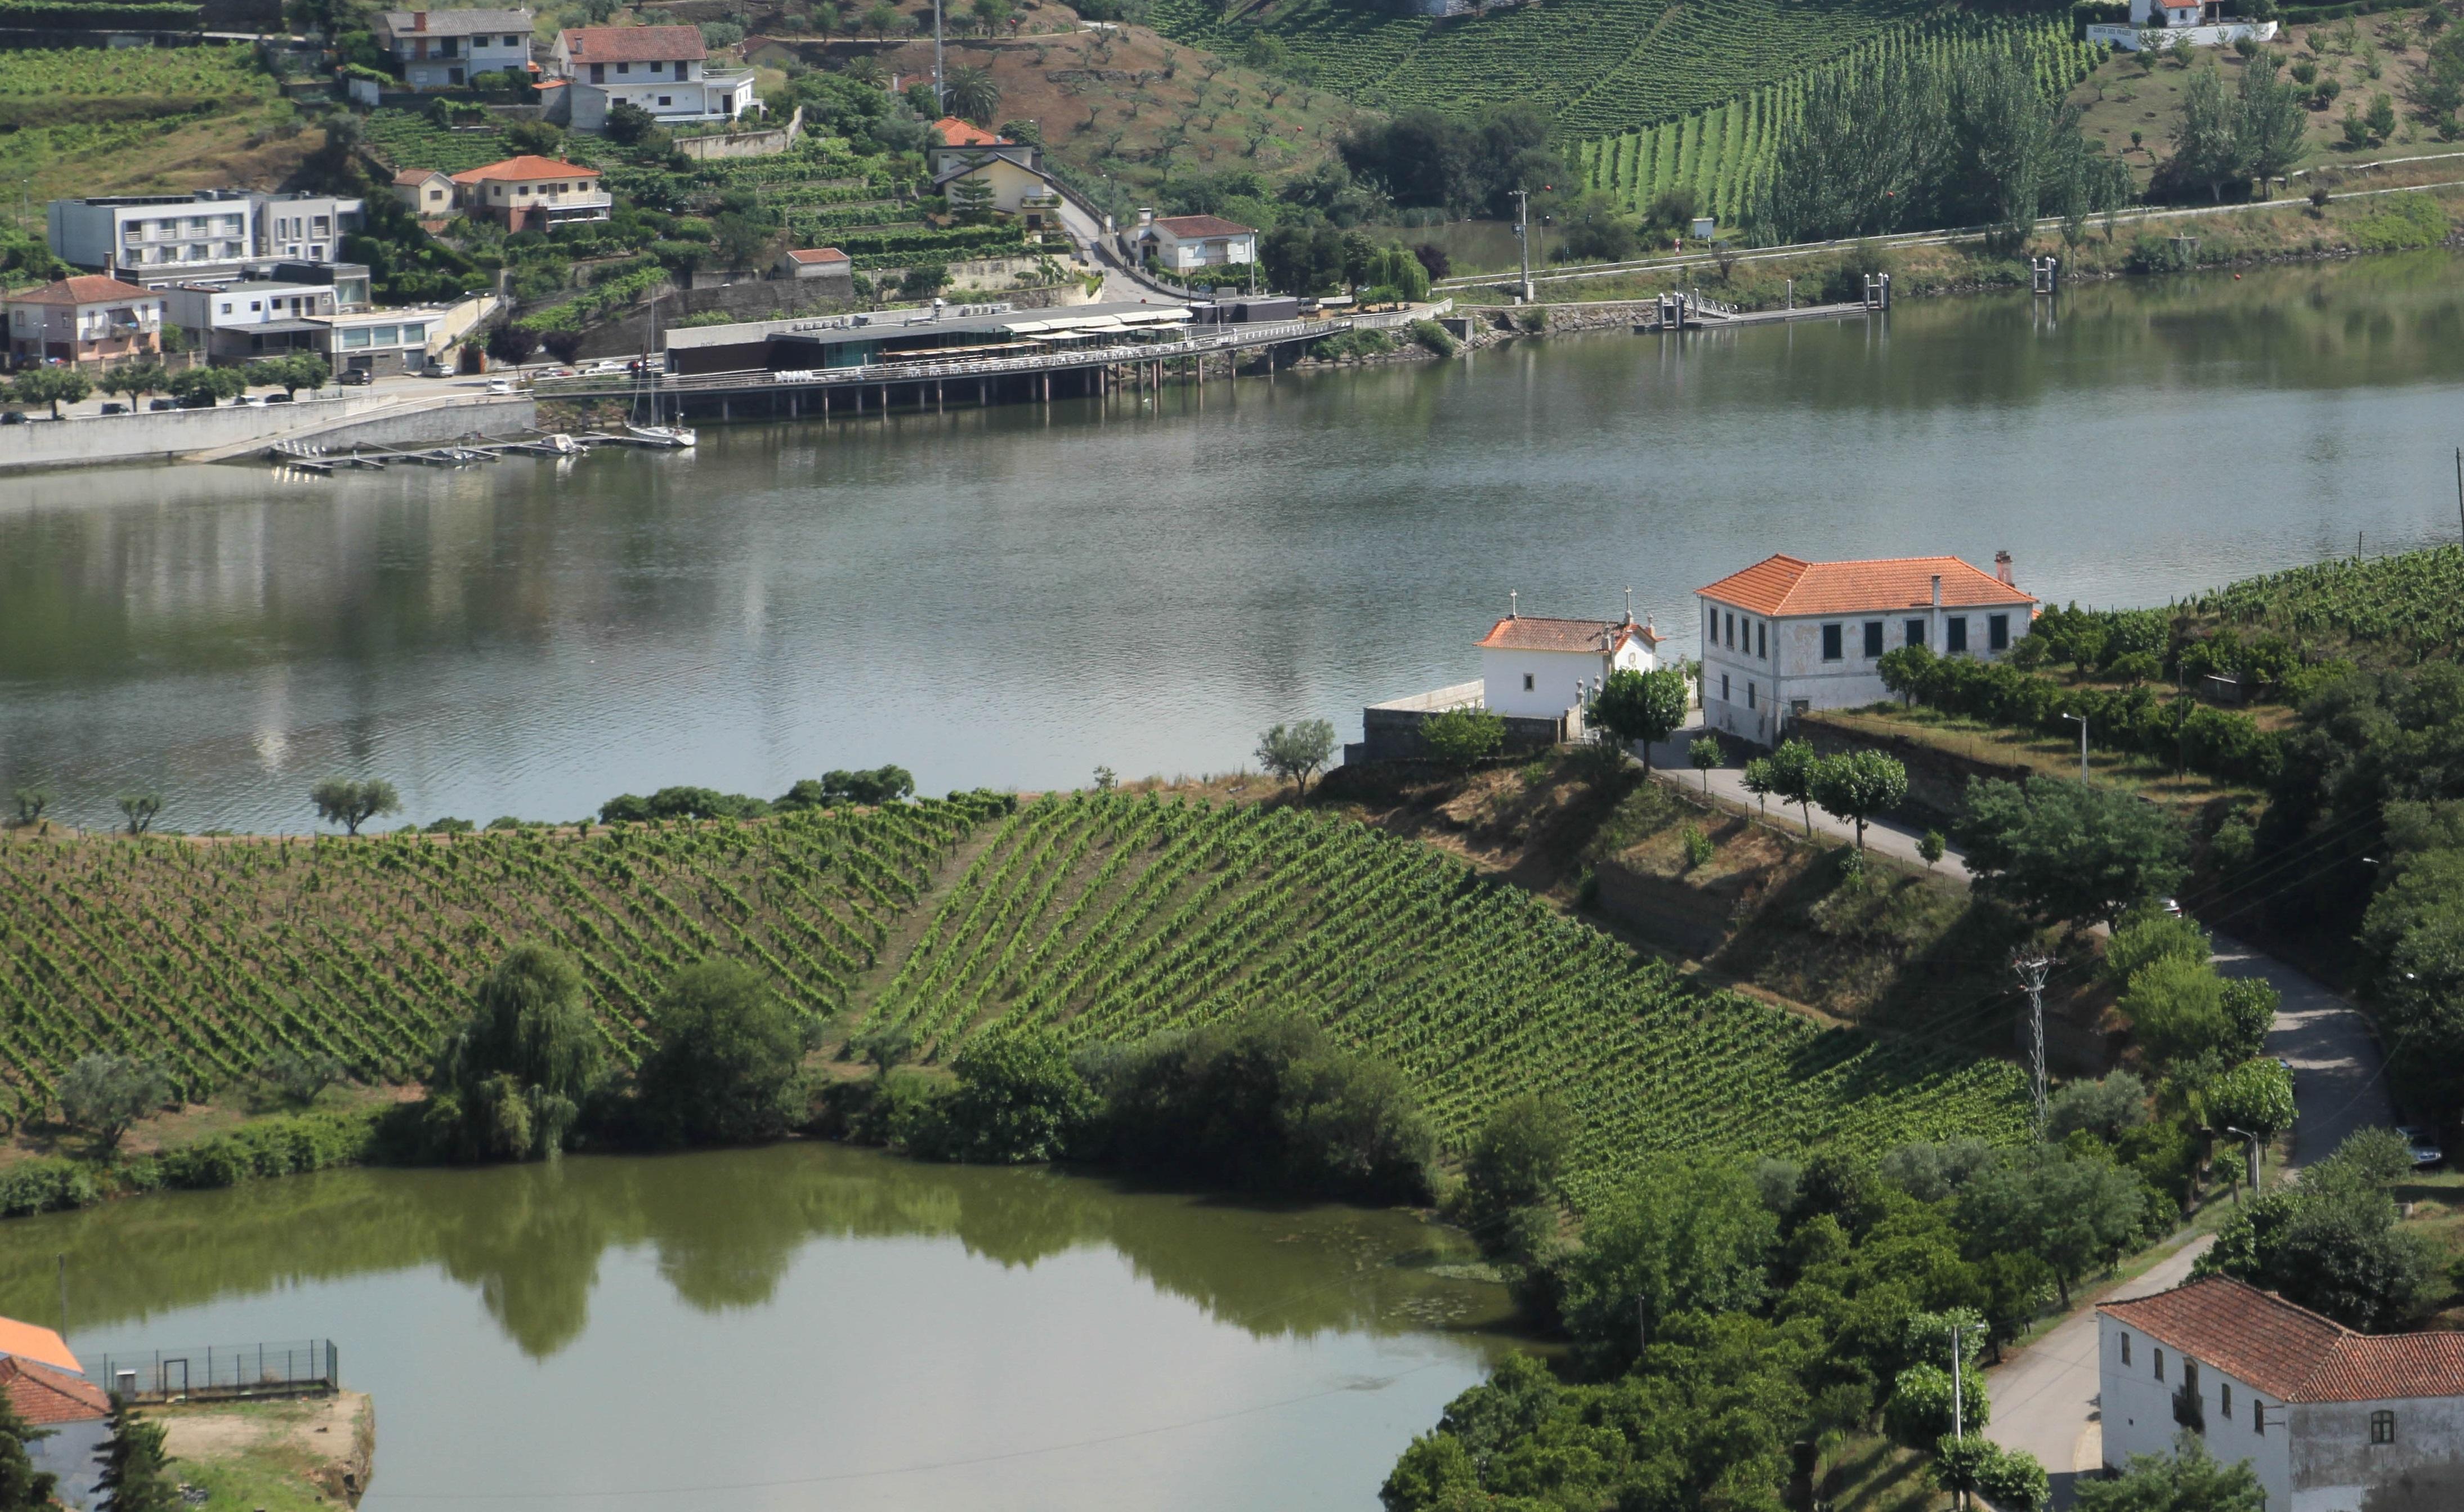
point(510, 1083)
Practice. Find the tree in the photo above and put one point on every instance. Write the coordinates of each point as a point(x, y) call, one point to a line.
point(1792, 776)
point(1684, 1235)
point(1918, 1411)
point(2271, 128)
point(2012, 1480)
point(302, 1076)
point(2206, 138)
point(2333, 1242)
point(971, 200)
point(2060, 849)
point(1640, 707)
point(1931, 847)
point(135, 380)
point(1462, 738)
point(1512, 1170)
point(1757, 778)
point(2177, 1008)
point(138, 809)
point(207, 386)
point(50, 386)
point(510, 1083)
point(971, 95)
point(1297, 750)
point(136, 1476)
point(2254, 1097)
point(31, 801)
point(628, 122)
point(2073, 1212)
point(102, 1095)
point(2150, 934)
point(22, 1487)
point(512, 343)
point(2103, 1109)
point(728, 1062)
point(1018, 1099)
point(1702, 755)
point(1858, 785)
point(2188, 1481)
point(341, 801)
point(292, 372)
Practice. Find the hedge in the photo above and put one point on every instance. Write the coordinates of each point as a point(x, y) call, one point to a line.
point(58, 15)
point(277, 1147)
point(47, 1186)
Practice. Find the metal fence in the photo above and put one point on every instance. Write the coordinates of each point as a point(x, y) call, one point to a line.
point(295, 1367)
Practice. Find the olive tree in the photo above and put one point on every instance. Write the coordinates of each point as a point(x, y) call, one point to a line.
point(102, 1095)
point(341, 801)
point(1298, 750)
point(31, 802)
point(1858, 785)
point(139, 810)
point(2061, 849)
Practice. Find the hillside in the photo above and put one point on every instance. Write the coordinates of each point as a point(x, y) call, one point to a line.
point(1109, 917)
point(121, 121)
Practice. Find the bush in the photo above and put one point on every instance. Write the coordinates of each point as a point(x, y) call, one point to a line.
point(47, 1186)
point(2103, 1109)
point(728, 1065)
point(280, 1147)
point(1436, 337)
point(1018, 1099)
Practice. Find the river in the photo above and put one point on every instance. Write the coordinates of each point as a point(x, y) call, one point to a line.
point(1012, 597)
point(802, 1326)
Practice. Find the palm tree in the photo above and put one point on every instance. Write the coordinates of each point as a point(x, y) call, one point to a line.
point(971, 94)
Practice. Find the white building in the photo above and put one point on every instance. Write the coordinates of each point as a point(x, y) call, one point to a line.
point(1787, 636)
point(2329, 1419)
point(815, 262)
point(448, 49)
point(1535, 667)
point(1181, 243)
point(91, 317)
point(532, 193)
point(2178, 23)
point(662, 69)
point(306, 227)
point(138, 234)
point(253, 318)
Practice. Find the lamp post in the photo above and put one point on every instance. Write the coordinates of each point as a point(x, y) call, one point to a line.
point(2251, 1141)
point(1958, 1396)
point(2081, 721)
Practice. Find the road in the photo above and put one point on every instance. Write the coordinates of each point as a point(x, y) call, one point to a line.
point(2044, 1396)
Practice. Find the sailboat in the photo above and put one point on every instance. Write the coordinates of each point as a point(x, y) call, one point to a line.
point(657, 432)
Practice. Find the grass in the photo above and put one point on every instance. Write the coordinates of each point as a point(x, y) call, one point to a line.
point(282, 1455)
point(2039, 754)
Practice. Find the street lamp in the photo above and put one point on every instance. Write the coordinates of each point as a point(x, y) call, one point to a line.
point(1958, 1397)
point(2250, 1140)
point(2081, 721)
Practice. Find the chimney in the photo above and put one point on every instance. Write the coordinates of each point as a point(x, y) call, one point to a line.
point(1937, 590)
point(1512, 597)
point(2002, 569)
point(419, 20)
point(1146, 216)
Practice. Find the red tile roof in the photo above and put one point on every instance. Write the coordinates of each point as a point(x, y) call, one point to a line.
point(409, 177)
point(817, 255)
point(2289, 1351)
point(1188, 226)
point(526, 167)
point(959, 133)
point(31, 1341)
point(46, 1397)
point(634, 44)
point(89, 288)
point(1533, 632)
point(1784, 586)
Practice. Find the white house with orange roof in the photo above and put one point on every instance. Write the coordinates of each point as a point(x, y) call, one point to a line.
point(664, 70)
point(1537, 667)
point(91, 317)
point(532, 193)
point(46, 1386)
point(2330, 1420)
point(1787, 636)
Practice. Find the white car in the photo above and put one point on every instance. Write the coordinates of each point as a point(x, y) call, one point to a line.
point(500, 386)
point(2423, 1141)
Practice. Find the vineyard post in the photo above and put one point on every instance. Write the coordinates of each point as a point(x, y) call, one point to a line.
point(2031, 970)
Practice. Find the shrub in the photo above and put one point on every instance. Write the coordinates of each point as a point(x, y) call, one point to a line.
point(47, 1186)
point(1436, 337)
point(728, 1064)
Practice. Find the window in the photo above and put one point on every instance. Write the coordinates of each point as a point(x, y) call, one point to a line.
point(1749, 696)
point(667, 100)
point(1873, 639)
point(2125, 1348)
point(256, 305)
point(2258, 1417)
point(226, 307)
point(2224, 1398)
point(513, 41)
point(1997, 632)
point(1915, 629)
point(355, 336)
point(2160, 1365)
point(1724, 688)
point(415, 335)
point(1762, 640)
point(1711, 632)
point(2383, 1427)
point(1527, 682)
point(1832, 650)
point(1955, 633)
point(1732, 632)
point(656, 67)
point(624, 68)
point(599, 72)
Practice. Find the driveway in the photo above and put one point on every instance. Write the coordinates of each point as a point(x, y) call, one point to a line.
point(2339, 1074)
point(1888, 836)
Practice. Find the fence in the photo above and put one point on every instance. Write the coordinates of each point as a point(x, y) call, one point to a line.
point(297, 1368)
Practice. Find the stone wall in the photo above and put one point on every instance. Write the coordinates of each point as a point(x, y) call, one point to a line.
point(744, 143)
point(160, 436)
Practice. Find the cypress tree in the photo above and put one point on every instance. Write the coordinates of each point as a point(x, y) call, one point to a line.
point(22, 1487)
point(134, 1474)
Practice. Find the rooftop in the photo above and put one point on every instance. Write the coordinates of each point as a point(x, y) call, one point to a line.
point(46, 1397)
point(1537, 632)
point(890, 324)
point(959, 133)
point(1188, 226)
point(634, 44)
point(456, 22)
point(2289, 1351)
point(410, 177)
point(814, 255)
point(31, 1341)
point(528, 167)
point(1782, 585)
point(92, 287)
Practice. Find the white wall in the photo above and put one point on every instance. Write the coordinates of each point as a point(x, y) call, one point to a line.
point(1553, 673)
point(2335, 1468)
point(167, 433)
point(1795, 669)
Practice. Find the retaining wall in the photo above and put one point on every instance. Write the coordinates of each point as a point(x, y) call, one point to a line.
point(173, 433)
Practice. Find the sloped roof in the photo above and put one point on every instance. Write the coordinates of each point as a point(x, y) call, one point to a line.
point(85, 287)
point(412, 177)
point(2289, 1351)
point(1187, 226)
point(1782, 585)
point(46, 1397)
point(31, 1341)
point(1536, 632)
point(527, 166)
point(809, 255)
point(634, 44)
point(959, 133)
point(456, 22)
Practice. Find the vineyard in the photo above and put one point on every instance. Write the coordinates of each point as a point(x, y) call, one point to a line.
point(1113, 917)
point(2412, 602)
point(214, 957)
point(64, 86)
point(1596, 65)
point(1725, 154)
point(408, 139)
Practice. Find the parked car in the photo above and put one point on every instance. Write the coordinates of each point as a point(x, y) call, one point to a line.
point(115, 407)
point(2423, 1141)
point(355, 377)
point(197, 402)
point(158, 405)
point(500, 386)
point(14, 417)
point(247, 400)
point(278, 399)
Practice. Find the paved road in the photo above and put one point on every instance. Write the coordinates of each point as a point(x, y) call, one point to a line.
point(1888, 836)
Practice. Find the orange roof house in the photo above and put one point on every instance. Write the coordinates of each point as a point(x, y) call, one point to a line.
point(1787, 636)
point(956, 132)
point(530, 191)
point(28, 1341)
point(90, 317)
point(1539, 666)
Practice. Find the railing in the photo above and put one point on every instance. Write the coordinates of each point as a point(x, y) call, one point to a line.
point(295, 1367)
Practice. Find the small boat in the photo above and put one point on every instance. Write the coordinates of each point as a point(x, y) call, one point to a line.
point(671, 437)
point(656, 431)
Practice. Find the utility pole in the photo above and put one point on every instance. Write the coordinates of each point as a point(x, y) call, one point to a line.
point(939, 103)
point(2032, 968)
point(2081, 721)
point(1523, 236)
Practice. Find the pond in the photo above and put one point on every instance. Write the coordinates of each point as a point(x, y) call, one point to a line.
point(806, 1324)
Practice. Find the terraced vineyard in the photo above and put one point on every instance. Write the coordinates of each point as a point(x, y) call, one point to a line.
point(1114, 917)
point(214, 957)
point(1725, 154)
point(2414, 600)
point(1596, 65)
